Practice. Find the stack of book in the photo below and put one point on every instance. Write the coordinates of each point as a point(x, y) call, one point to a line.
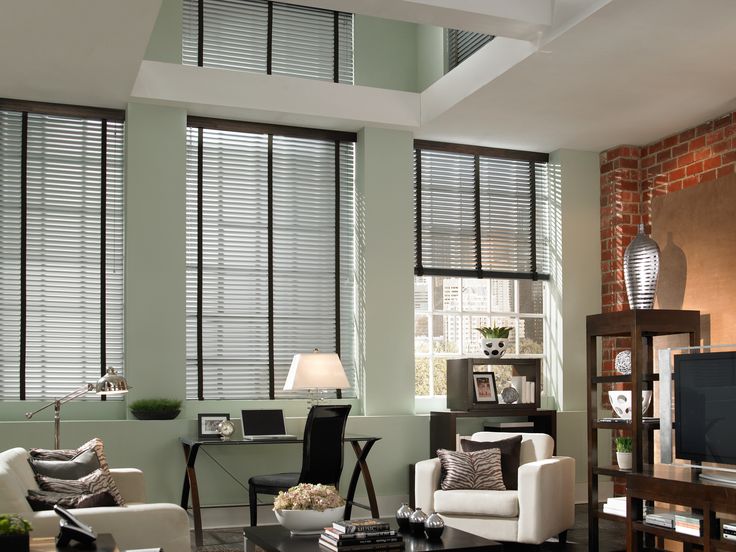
point(689, 524)
point(666, 520)
point(729, 531)
point(360, 534)
point(615, 506)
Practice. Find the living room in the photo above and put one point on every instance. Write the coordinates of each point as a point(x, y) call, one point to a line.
point(606, 91)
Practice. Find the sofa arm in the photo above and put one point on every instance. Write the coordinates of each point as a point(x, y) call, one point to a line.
point(130, 483)
point(546, 498)
point(137, 526)
point(426, 482)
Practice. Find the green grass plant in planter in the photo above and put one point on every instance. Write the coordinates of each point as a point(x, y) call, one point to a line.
point(14, 533)
point(496, 332)
point(155, 409)
point(623, 452)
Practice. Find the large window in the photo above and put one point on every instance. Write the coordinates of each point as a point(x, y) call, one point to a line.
point(481, 253)
point(61, 247)
point(269, 37)
point(270, 255)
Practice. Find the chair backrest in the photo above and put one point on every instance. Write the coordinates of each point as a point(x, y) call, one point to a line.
point(534, 446)
point(322, 454)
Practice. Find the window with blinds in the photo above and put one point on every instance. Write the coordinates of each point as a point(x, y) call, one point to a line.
point(480, 212)
point(270, 248)
point(463, 44)
point(268, 37)
point(61, 235)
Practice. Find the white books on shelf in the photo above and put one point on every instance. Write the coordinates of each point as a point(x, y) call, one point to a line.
point(615, 506)
point(689, 524)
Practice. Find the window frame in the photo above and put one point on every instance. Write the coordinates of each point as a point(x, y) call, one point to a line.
point(431, 355)
point(104, 115)
point(270, 130)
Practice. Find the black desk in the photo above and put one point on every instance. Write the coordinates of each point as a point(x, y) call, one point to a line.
point(361, 447)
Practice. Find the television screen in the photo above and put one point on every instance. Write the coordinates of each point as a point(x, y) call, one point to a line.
point(705, 407)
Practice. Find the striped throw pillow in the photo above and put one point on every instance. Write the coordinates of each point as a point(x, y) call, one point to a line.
point(98, 481)
point(479, 470)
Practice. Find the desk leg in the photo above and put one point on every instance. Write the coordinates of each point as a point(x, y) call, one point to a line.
point(190, 482)
point(361, 466)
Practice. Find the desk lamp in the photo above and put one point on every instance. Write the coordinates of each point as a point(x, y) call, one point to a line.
point(111, 383)
point(316, 372)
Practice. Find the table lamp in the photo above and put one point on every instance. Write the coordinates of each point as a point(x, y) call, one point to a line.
point(316, 372)
point(111, 383)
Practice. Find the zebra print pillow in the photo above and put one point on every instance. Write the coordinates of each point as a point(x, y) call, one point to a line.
point(479, 470)
point(46, 500)
point(98, 481)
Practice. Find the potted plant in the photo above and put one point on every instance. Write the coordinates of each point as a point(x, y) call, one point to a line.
point(14, 533)
point(623, 452)
point(495, 340)
point(155, 409)
point(308, 508)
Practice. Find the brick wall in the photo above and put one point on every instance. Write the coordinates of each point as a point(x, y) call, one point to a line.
point(630, 177)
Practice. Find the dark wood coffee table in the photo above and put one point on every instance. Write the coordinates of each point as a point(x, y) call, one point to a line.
point(274, 538)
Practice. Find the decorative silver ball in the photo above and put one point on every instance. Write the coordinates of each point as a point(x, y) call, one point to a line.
point(510, 395)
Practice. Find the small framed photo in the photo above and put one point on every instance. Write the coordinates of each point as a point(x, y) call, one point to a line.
point(207, 424)
point(484, 384)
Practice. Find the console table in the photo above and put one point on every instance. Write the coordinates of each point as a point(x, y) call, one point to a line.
point(443, 423)
point(361, 446)
point(680, 486)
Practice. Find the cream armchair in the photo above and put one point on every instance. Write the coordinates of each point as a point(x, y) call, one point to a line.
point(542, 507)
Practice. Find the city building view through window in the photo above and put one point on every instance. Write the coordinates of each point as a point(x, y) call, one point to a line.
point(447, 311)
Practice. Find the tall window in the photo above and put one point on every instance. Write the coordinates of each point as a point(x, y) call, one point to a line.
point(481, 253)
point(61, 247)
point(269, 37)
point(270, 252)
point(463, 44)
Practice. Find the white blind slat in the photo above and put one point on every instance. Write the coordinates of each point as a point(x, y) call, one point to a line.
point(449, 223)
point(63, 252)
point(235, 286)
point(235, 36)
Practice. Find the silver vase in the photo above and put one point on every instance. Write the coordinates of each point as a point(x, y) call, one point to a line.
point(434, 525)
point(402, 516)
point(641, 268)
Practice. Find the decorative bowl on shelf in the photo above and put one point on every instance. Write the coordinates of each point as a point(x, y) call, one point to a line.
point(621, 402)
point(309, 522)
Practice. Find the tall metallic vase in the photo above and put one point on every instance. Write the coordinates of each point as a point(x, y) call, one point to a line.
point(641, 268)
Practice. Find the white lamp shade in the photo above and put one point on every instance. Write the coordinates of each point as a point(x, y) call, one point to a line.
point(316, 371)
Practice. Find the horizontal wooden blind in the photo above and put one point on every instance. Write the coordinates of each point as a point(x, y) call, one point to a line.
point(269, 258)
point(463, 44)
point(480, 212)
point(268, 37)
point(61, 268)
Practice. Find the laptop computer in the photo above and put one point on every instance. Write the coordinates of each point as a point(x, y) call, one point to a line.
point(264, 424)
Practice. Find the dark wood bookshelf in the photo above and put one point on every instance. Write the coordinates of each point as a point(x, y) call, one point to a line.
point(641, 326)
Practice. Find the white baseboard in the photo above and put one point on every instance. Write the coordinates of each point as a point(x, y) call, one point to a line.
point(239, 516)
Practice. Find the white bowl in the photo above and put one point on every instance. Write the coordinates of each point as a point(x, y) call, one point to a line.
point(621, 402)
point(309, 522)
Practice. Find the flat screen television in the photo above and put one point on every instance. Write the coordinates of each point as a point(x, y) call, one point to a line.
point(705, 407)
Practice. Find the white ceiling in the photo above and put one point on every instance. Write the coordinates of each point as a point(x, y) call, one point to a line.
point(599, 72)
point(84, 52)
point(632, 72)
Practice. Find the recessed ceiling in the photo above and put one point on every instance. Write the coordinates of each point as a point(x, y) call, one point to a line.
point(630, 73)
point(73, 51)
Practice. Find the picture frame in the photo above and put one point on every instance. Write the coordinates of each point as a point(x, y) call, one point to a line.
point(484, 385)
point(207, 425)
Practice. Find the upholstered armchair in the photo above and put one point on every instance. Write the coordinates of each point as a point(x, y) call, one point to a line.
point(542, 507)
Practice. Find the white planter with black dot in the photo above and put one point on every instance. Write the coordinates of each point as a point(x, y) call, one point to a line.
point(495, 347)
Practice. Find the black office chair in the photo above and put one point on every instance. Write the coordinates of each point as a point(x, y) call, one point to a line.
point(322, 456)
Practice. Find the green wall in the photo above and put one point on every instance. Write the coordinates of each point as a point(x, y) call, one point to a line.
point(385, 53)
point(386, 56)
point(430, 55)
